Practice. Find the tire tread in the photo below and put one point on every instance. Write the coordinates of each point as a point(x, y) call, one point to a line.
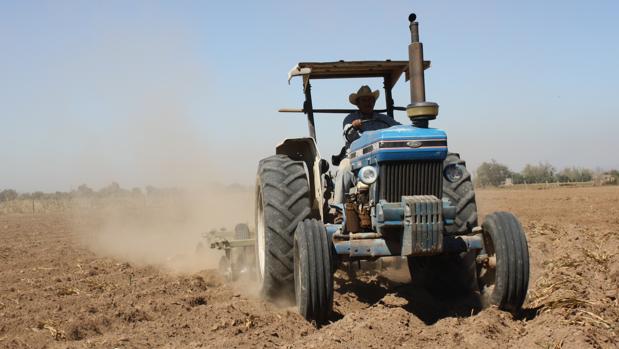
point(462, 195)
point(512, 260)
point(314, 299)
point(285, 194)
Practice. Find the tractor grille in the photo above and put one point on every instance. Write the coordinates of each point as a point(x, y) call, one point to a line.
point(396, 179)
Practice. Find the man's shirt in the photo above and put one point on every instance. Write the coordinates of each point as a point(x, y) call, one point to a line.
point(377, 122)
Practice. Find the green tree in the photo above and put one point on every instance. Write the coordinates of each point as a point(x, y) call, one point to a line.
point(575, 174)
point(112, 189)
point(540, 173)
point(492, 173)
point(84, 190)
point(8, 195)
point(59, 195)
point(151, 190)
point(38, 195)
point(517, 178)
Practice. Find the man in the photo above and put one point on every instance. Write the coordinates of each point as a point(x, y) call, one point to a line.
point(365, 119)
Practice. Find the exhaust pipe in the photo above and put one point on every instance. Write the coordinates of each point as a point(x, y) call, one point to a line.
point(419, 110)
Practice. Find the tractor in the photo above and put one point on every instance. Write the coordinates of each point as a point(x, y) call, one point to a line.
point(411, 198)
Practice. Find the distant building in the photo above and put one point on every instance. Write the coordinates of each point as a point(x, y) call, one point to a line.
point(608, 179)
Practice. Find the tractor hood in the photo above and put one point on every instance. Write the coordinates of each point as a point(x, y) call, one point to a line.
point(398, 143)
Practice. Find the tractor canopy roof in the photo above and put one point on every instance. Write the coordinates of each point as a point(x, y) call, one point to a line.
point(389, 70)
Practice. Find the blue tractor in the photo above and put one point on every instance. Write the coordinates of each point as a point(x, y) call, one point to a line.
point(411, 198)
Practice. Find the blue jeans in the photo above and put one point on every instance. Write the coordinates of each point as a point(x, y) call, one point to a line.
point(343, 181)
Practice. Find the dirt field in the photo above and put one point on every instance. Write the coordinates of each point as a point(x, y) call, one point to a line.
point(55, 291)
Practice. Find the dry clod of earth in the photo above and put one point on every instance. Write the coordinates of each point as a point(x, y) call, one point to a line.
point(57, 292)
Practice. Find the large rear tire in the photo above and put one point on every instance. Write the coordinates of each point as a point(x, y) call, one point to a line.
point(462, 195)
point(504, 277)
point(312, 272)
point(282, 201)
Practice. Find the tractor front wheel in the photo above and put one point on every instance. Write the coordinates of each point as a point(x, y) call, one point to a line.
point(312, 271)
point(503, 275)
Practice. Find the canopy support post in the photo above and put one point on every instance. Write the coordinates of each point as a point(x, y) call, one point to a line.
point(309, 110)
point(388, 98)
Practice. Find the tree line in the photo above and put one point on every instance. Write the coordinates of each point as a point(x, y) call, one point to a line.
point(112, 190)
point(84, 191)
point(493, 173)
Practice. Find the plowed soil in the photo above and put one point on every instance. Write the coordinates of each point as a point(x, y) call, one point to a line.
point(57, 291)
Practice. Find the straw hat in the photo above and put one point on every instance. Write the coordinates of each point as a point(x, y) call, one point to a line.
point(364, 90)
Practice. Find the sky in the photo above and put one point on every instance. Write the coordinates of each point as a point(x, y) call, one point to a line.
point(175, 92)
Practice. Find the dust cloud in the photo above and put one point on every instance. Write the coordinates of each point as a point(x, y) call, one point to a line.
point(152, 91)
point(162, 224)
point(165, 229)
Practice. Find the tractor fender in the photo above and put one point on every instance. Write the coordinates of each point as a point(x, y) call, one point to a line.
point(305, 149)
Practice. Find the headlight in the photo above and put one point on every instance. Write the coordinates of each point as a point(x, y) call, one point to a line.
point(454, 172)
point(368, 175)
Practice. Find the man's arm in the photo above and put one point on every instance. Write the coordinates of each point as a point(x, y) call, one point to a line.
point(350, 133)
point(352, 125)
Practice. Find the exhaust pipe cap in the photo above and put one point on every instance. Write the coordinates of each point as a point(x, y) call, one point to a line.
point(422, 111)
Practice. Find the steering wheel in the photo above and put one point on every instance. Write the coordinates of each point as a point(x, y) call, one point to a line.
point(368, 120)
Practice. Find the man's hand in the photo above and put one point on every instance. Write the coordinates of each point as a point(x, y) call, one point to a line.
point(356, 124)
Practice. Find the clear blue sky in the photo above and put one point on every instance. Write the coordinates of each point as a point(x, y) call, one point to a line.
point(166, 92)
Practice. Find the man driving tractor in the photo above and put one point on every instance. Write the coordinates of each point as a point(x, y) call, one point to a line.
point(365, 119)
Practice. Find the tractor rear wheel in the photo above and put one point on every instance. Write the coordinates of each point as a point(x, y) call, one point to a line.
point(461, 194)
point(504, 276)
point(312, 271)
point(282, 201)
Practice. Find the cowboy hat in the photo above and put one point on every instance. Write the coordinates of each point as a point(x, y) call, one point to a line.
point(363, 91)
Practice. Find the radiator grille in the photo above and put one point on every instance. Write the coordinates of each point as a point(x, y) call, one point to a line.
point(396, 179)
